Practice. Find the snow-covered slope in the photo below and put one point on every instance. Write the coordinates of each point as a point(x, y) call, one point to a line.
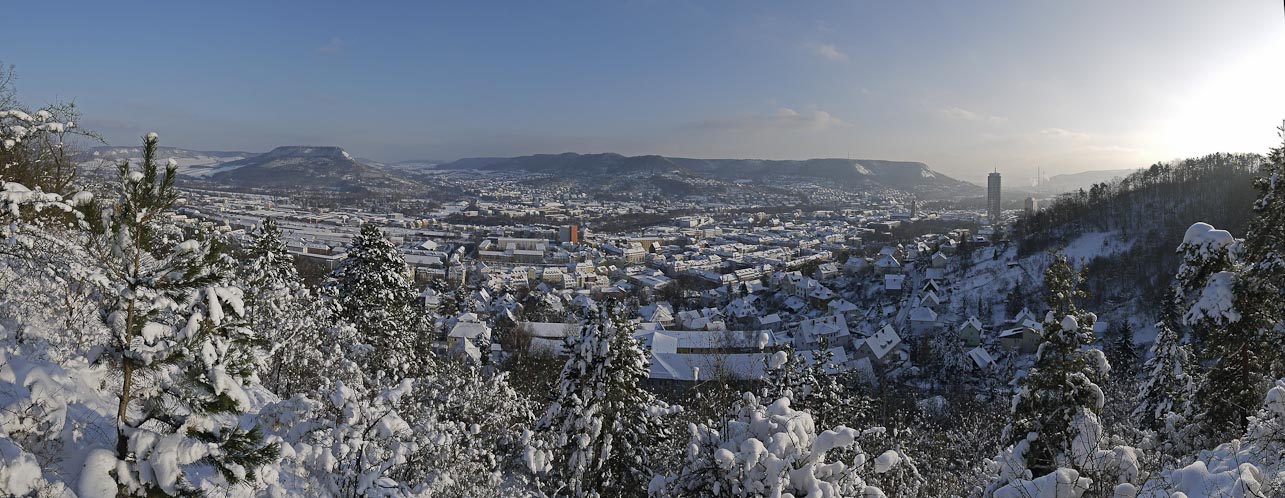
point(194, 163)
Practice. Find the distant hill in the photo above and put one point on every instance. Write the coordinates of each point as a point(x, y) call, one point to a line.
point(1148, 211)
point(1074, 181)
point(902, 175)
point(195, 163)
point(305, 167)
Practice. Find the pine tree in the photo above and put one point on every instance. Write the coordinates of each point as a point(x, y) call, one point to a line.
point(597, 432)
point(377, 299)
point(1260, 293)
point(1122, 352)
point(1164, 404)
point(1058, 401)
point(293, 323)
point(1214, 296)
point(183, 358)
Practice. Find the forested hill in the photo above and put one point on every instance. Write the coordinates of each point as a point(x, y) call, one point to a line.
point(1151, 209)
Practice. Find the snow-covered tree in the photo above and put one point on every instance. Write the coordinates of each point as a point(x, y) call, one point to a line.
point(1213, 297)
point(787, 376)
point(292, 322)
point(1168, 389)
point(377, 299)
point(832, 395)
point(1054, 417)
point(769, 450)
point(1260, 294)
point(183, 354)
point(595, 436)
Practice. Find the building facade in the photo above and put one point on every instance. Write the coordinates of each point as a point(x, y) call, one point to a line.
point(993, 197)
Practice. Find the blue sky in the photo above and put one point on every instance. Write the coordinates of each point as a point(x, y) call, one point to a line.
point(963, 86)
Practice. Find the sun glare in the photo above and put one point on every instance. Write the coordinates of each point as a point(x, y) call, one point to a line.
point(1235, 109)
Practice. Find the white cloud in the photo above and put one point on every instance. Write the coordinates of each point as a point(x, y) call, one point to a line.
point(961, 114)
point(784, 119)
point(334, 46)
point(828, 51)
point(1064, 133)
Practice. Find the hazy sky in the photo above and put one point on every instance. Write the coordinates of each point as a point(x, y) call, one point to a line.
point(963, 86)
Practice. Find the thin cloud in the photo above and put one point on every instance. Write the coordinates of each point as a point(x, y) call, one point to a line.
point(1064, 133)
point(334, 46)
point(961, 114)
point(827, 51)
point(784, 119)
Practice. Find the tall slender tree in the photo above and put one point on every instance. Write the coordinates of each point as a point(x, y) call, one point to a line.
point(292, 321)
point(177, 338)
point(1054, 416)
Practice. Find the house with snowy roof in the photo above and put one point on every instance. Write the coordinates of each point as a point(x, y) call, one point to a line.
point(468, 330)
point(819, 296)
point(809, 333)
point(886, 264)
point(678, 368)
point(795, 304)
point(827, 271)
point(879, 347)
point(930, 300)
point(464, 351)
point(430, 298)
point(893, 283)
point(856, 265)
point(770, 322)
point(1020, 339)
point(838, 361)
point(939, 260)
point(546, 337)
point(700, 319)
point(742, 309)
point(949, 246)
point(843, 307)
point(970, 331)
point(982, 359)
point(705, 341)
point(659, 312)
point(922, 320)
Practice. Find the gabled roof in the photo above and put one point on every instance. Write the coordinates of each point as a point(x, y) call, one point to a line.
point(922, 314)
point(973, 322)
point(883, 341)
point(470, 330)
point(887, 261)
point(981, 357)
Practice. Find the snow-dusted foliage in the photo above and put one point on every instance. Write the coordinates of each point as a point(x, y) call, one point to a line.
point(374, 295)
point(1054, 427)
point(770, 450)
point(1215, 293)
point(184, 355)
point(34, 150)
point(595, 435)
point(298, 329)
point(1165, 401)
point(1250, 466)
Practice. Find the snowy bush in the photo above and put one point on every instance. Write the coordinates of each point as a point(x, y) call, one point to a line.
point(770, 450)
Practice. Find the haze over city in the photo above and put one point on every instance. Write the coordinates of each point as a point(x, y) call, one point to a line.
point(964, 87)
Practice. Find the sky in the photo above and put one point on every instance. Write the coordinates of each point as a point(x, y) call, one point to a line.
point(967, 87)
